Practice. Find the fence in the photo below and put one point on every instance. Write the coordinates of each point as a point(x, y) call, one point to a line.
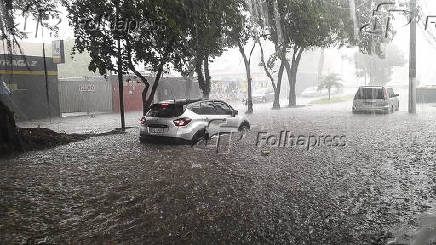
point(85, 94)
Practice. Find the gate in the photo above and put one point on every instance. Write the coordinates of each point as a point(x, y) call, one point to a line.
point(85, 94)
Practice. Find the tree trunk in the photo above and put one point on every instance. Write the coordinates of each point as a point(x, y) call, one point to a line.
point(249, 80)
point(320, 66)
point(154, 87)
point(131, 66)
point(144, 99)
point(145, 90)
point(276, 104)
point(329, 93)
point(199, 71)
point(203, 77)
point(292, 78)
point(10, 140)
point(249, 87)
point(188, 86)
point(206, 92)
point(291, 71)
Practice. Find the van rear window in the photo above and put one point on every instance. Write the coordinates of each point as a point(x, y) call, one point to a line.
point(369, 94)
point(165, 110)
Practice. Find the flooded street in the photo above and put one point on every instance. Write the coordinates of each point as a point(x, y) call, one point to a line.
point(113, 189)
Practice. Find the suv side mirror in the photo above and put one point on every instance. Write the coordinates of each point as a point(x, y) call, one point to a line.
point(234, 113)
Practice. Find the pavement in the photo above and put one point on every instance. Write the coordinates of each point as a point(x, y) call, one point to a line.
point(84, 123)
point(379, 187)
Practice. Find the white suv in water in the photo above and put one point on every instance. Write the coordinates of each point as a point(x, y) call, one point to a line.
point(190, 120)
point(375, 99)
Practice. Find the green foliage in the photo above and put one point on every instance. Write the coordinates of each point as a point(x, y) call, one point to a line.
point(42, 11)
point(311, 23)
point(330, 81)
point(209, 25)
point(158, 41)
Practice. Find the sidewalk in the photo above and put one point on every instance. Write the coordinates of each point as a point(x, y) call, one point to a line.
point(79, 123)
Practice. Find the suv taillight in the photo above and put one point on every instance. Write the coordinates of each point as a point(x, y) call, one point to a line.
point(143, 120)
point(385, 94)
point(182, 121)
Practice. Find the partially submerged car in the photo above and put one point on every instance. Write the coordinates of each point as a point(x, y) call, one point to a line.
point(190, 120)
point(375, 99)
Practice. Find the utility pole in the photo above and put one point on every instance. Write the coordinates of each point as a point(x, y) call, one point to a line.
point(412, 59)
point(120, 73)
point(121, 84)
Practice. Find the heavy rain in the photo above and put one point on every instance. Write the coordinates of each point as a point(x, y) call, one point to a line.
point(218, 122)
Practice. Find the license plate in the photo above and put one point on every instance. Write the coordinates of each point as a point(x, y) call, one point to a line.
point(156, 130)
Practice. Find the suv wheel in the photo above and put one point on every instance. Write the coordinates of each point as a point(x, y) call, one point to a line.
point(200, 135)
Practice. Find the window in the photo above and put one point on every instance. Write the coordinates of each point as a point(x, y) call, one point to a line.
point(165, 110)
point(203, 108)
point(194, 107)
point(223, 108)
point(369, 93)
point(207, 108)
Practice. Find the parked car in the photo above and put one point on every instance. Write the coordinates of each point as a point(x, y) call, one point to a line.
point(190, 120)
point(375, 99)
point(263, 95)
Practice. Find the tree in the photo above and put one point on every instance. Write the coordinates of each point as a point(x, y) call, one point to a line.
point(379, 69)
point(254, 27)
point(302, 25)
point(109, 30)
point(204, 25)
point(330, 81)
point(268, 67)
point(188, 75)
point(41, 11)
point(243, 27)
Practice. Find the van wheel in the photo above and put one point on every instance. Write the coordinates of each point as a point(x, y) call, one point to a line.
point(392, 109)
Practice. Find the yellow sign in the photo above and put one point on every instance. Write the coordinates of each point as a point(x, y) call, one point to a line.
point(9, 72)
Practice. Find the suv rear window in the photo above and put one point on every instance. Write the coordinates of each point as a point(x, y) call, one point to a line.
point(165, 110)
point(369, 94)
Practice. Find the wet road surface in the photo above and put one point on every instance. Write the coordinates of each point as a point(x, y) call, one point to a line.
point(113, 189)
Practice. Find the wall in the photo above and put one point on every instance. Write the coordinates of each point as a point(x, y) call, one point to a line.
point(32, 97)
point(426, 95)
point(169, 88)
point(85, 94)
